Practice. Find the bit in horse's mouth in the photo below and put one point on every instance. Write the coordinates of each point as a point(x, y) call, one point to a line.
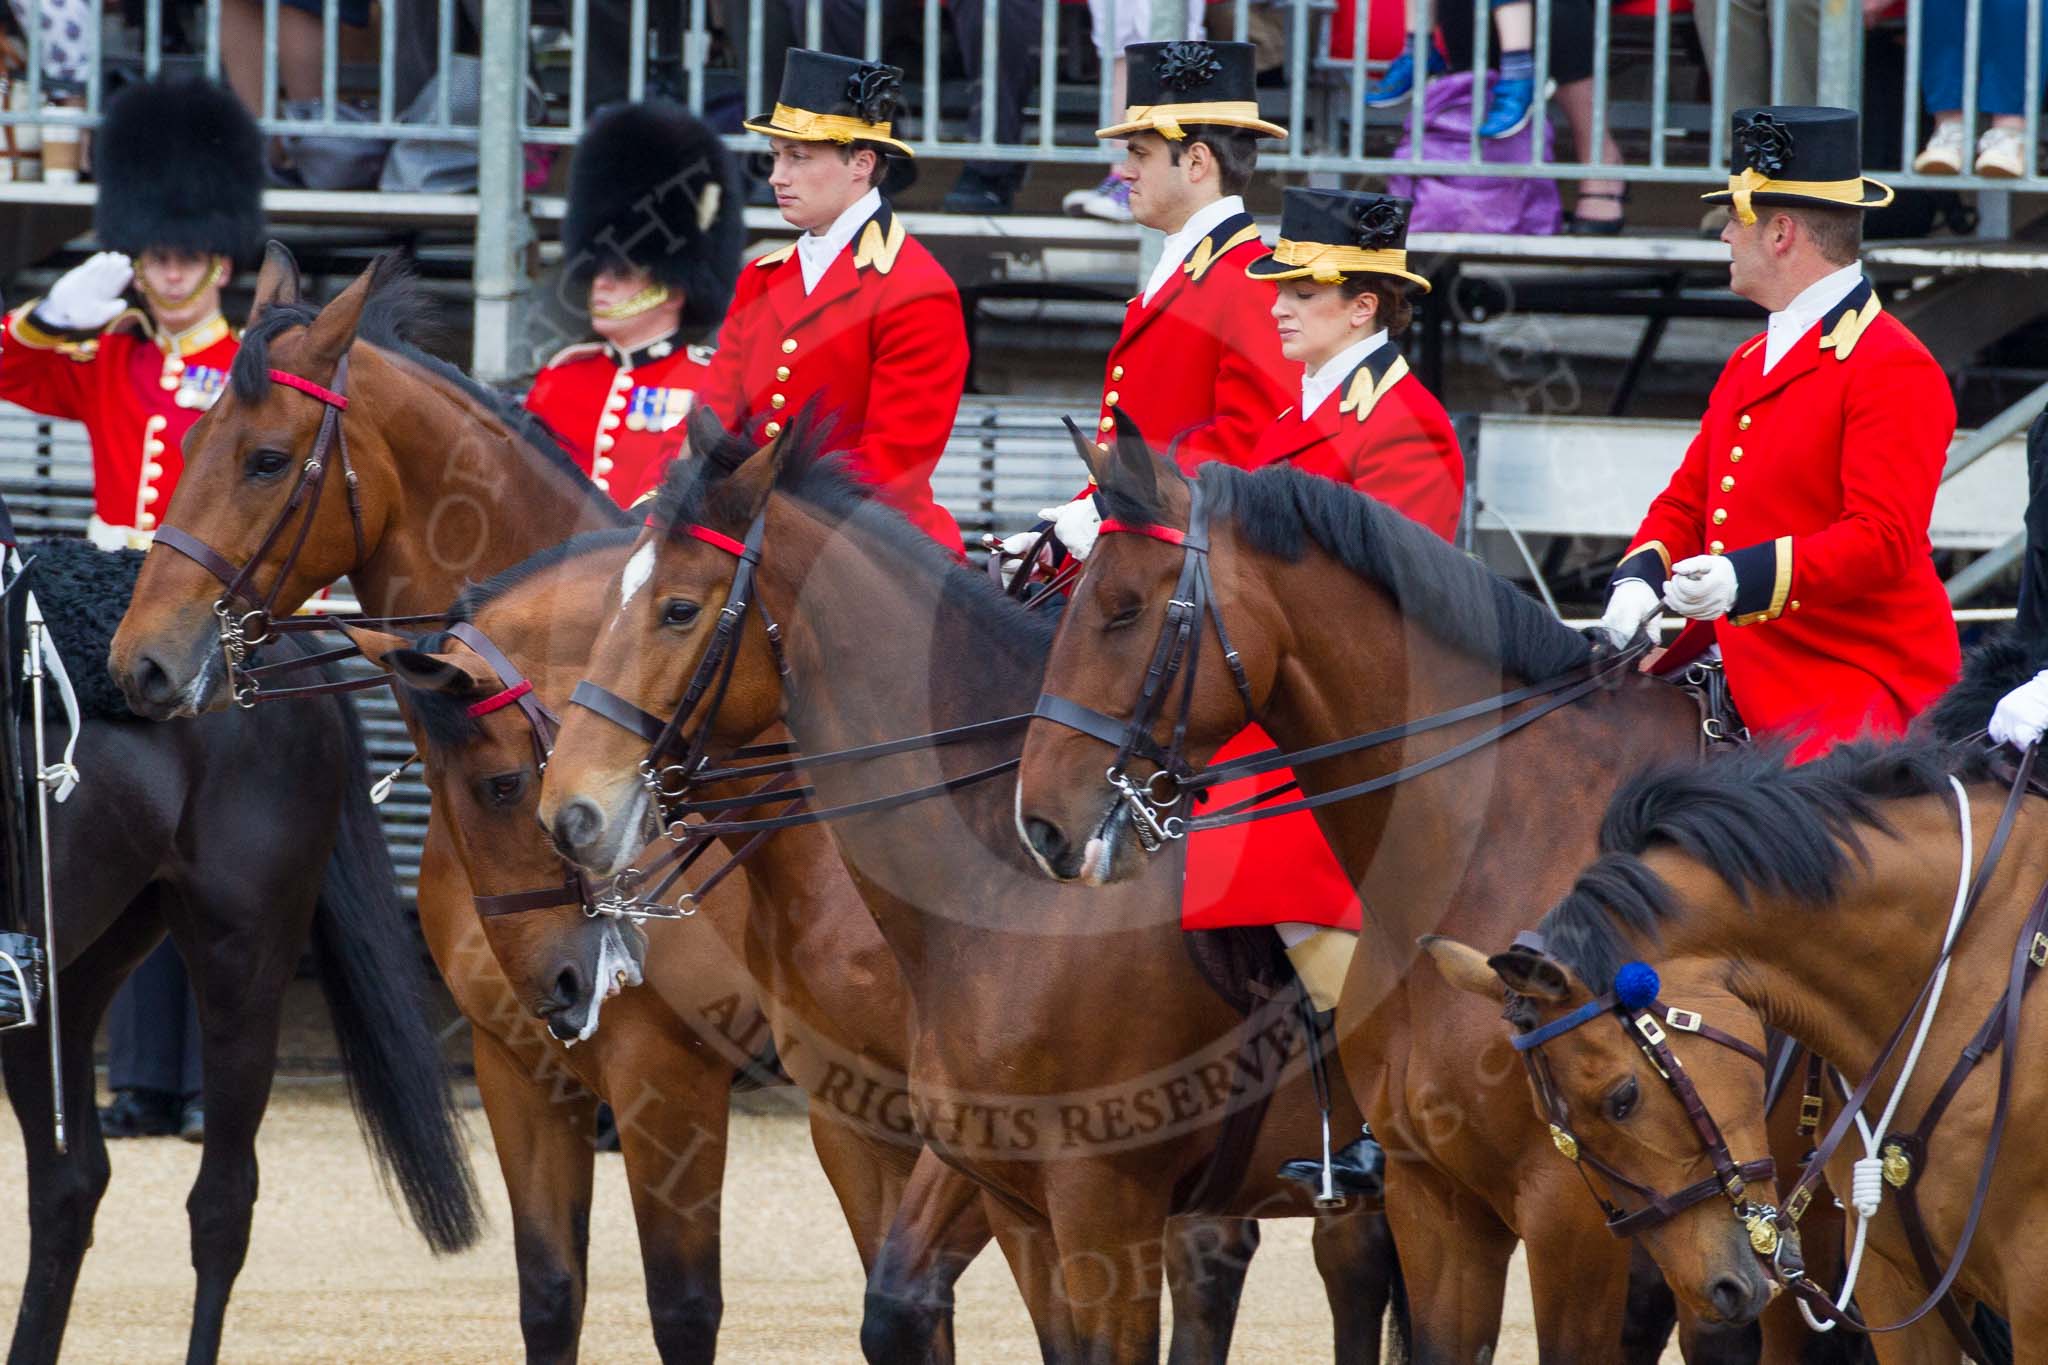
point(1098, 855)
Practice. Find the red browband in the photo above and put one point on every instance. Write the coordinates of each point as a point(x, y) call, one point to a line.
point(307, 386)
point(500, 699)
point(1165, 533)
point(716, 539)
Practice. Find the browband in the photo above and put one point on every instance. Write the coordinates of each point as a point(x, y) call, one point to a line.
point(307, 386)
point(718, 540)
point(1165, 533)
point(498, 700)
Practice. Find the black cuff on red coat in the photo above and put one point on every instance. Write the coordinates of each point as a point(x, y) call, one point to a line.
point(1763, 580)
point(1647, 562)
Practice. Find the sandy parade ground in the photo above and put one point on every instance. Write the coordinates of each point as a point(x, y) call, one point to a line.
point(335, 1275)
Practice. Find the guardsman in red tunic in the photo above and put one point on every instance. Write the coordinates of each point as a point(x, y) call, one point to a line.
point(855, 312)
point(653, 235)
point(1794, 534)
point(1197, 364)
point(180, 200)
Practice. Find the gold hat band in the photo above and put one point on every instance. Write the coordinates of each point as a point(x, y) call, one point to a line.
point(830, 127)
point(1328, 264)
point(1753, 181)
point(1165, 119)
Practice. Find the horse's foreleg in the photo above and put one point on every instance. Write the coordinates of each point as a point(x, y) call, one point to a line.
point(1034, 1261)
point(543, 1138)
point(1579, 1278)
point(1206, 1262)
point(672, 1112)
point(1110, 1229)
point(1454, 1261)
point(1361, 1278)
point(239, 971)
point(939, 1227)
point(63, 1189)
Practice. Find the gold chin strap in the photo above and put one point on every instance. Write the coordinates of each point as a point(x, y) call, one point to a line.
point(1753, 181)
point(648, 299)
point(214, 275)
point(1329, 264)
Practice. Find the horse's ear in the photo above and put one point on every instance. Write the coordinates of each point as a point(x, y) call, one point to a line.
point(1131, 468)
point(458, 675)
point(1091, 455)
point(331, 334)
point(1462, 965)
point(706, 433)
point(377, 645)
point(1533, 975)
point(276, 282)
point(745, 492)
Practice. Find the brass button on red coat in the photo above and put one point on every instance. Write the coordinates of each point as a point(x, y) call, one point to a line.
point(1720, 515)
point(1716, 547)
point(1727, 483)
point(788, 345)
point(773, 429)
point(1117, 373)
point(781, 373)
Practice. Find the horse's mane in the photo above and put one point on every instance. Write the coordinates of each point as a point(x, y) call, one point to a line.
point(1992, 667)
point(398, 318)
point(446, 719)
point(1761, 827)
point(811, 471)
point(1278, 509)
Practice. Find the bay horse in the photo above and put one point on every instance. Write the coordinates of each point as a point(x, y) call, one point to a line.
point(1348, 619)
point(248, 837)
point(1863, 854)
point(1068, 1054)
point(453, 482)
point(831, 988)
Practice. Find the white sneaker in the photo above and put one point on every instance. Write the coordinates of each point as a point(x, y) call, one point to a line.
point(1943, 154)
point(1111, 201)
point(2002, 152)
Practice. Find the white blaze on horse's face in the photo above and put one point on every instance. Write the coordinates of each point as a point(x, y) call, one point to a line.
point(638, 570)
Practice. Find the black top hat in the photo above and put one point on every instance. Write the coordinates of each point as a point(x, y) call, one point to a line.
point(180, 168)
point(1331, 235)
point(652, 187)
point(829, 98)
point(1173, 84)
point(1793, 154)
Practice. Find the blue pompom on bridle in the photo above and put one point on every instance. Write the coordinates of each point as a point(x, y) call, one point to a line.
point(1635, 986)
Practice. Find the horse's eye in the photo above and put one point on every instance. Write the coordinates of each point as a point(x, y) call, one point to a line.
point(1123, 616)
point(1621, 1101)
point(268, 464)
point(678, 612)
point(505, 788)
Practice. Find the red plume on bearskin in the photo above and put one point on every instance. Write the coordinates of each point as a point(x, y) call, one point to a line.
point(180, 167)
point(652, 186)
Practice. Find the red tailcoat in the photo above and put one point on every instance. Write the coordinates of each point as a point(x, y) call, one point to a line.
point(1384, 434)
point(1818, 480)
point(880, 342)
point(620, 415)
point(1202, 360)
point(136, 398)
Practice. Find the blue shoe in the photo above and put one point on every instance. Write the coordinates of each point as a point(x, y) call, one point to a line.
point(1397, 82)
point(1507, 109)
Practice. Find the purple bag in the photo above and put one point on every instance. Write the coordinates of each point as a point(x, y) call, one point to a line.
point(1524, 205)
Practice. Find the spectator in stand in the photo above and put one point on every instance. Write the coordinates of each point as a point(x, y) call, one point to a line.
point(1598, 212)
point(1116, 24)
point(1746, 77)
point(299, 45)
point(2001, 84)
point(69, 34)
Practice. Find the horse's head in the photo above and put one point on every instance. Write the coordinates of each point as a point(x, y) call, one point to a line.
point(245, 461)
point(1609, 1074)
point(1072, 815)
point(482, 765)
point(660, 618)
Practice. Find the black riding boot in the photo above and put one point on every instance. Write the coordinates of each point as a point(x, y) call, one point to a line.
point(1359, 1169)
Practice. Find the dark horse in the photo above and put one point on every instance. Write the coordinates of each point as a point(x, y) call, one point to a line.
point(245, 835)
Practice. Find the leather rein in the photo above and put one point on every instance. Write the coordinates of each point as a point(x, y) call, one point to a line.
point(1160, 807)
point(244, 613)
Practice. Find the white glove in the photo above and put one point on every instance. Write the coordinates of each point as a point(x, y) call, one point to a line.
point(1010, 552)
point(1630, 604)
point(1702, 587)
point(88, 296)
point(1076, 524)
point(2022, 713)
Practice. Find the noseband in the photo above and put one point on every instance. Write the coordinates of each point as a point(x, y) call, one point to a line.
point(1643, 1020)
point(244, 614)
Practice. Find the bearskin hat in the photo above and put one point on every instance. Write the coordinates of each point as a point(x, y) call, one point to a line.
point(653, 187)
point(180, 167)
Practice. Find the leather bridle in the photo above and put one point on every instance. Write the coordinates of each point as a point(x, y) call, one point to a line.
point(1161, 806)
point(1644, 1024)
point(244, 612)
